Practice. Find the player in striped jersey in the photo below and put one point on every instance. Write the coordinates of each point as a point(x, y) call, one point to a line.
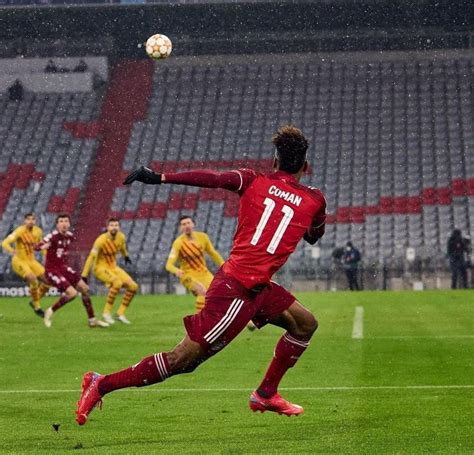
point(189, 249)
point(103, 259)
point(24, 263)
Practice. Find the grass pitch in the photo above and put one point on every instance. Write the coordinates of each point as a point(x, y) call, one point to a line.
point(406, 387)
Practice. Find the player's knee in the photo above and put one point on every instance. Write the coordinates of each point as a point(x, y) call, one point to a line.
point(132, 286)
point(84, 289)
point(117, 283)
point(200, 290)
point(71, 293)
point(306, 326)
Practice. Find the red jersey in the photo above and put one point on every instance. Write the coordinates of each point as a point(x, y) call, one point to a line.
point(275, 213)
point(58, 250)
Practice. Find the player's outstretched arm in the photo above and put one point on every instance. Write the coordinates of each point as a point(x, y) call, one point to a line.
point(144, 175)
point(228, 180)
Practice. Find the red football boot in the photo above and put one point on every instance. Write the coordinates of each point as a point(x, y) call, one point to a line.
point(275, 404)
point(90, 396)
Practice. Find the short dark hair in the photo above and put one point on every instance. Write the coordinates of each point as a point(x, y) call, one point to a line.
point(113, 220)
point(185, 217)
point(29, 214)
point(62, 215)
point(291, 147)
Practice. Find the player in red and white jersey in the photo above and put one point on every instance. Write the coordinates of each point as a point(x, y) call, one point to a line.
point(61, 275)
point(275, 213)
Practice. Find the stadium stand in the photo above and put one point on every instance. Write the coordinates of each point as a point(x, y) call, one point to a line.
point(43, 167)
point(392, 146)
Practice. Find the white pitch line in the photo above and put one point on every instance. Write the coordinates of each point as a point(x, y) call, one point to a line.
point(358, 325)
point(409, 337)
point(219, 390)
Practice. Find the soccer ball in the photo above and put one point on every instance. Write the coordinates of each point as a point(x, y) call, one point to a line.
point(158, 47)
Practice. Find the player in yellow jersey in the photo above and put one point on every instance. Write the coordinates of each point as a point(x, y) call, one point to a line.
point(103, 259)
point(24, 264)
point(189, 249)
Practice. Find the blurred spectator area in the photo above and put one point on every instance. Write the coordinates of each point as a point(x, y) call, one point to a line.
point(58, 75)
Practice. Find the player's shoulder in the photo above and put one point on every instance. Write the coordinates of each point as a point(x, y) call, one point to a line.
point(19, 230)
point(70, 235)
point(37, 231)
point(50, 237)
point(121, 236)
point(178, 240)
point(247, 176)
point(245, 171)
point(201, 234)
point(101, 238)
point(315, 193)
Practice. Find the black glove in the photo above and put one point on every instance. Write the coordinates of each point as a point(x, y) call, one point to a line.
point(127, 260)
point(85, 279)
point(144, 175)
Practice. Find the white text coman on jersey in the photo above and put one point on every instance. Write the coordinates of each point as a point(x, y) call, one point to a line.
point(286, 195)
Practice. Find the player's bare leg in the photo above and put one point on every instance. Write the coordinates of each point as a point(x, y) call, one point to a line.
point(184, 358)
point(83, 288)
point(33, 283)
point(69, 294)
point(300, 325)
point(131, 289)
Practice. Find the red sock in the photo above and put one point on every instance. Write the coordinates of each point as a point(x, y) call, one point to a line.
point(86, 301)
point(287, 352)
point(61, 302)
point(149, 371)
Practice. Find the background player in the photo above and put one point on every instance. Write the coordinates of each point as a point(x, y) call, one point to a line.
point(24, 264)
point(103, 258)
point(275, 213)
point(189, 249)
point(61, 275)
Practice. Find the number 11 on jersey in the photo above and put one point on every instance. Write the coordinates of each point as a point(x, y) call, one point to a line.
point(277, 236)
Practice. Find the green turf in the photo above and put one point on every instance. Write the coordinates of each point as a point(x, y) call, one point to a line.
point(410, 339)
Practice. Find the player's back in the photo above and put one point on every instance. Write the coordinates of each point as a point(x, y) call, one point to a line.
point(275, 212)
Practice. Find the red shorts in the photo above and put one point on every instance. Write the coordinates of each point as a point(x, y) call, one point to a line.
point(62, 278)
point(229, 307)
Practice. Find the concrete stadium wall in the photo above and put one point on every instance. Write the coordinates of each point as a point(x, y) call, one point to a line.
point(250, 27)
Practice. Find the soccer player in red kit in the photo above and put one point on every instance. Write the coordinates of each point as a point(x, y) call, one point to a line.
point(275, 213)
point(62, 276)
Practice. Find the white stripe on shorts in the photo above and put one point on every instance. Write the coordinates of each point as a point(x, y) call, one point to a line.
point(225, 322)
